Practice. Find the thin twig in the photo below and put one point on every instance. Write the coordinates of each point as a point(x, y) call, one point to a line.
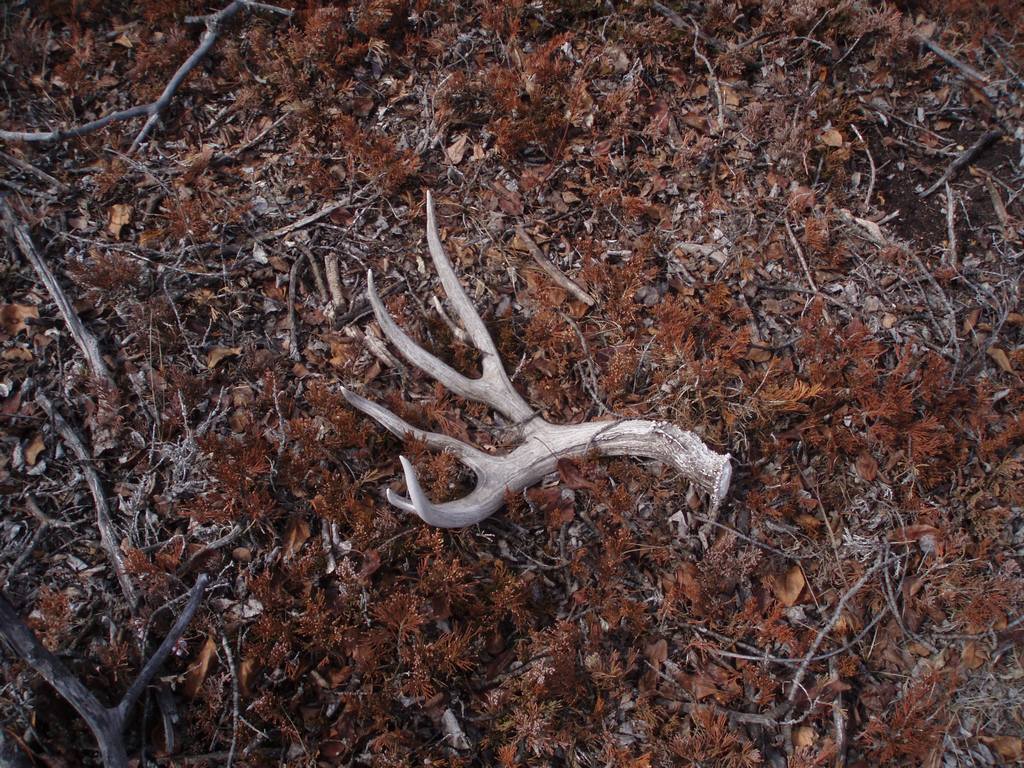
point(213, 27)
point(103, 522)
point(334, 283)
point(713, 78)
point(951, 226)
point(838, 721)
point(318, 273)
point(871, 163)
point(560, 278)
point(30, 169)
point(305, 222)
point(235, 700)
point(90, 347)
point(293, 320)
point(803, 263)
point(679, 22)
point(950, 312)
point(795, 686)
point(767, 658)
point(33, 542)
point(749, 540)
point(189, 565)
point(965, 158)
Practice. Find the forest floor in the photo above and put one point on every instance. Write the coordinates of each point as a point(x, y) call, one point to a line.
point(737, 187)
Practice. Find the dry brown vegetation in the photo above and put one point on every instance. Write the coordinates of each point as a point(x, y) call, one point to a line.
point(736, 184)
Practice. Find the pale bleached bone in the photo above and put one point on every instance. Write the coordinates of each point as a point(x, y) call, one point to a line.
point(542, 443)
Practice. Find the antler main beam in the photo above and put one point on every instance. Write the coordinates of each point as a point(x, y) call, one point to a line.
point(543, 443)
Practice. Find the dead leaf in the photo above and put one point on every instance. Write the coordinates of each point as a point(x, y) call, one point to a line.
point(730, 97)
point(928, 537)
point(120, 216)
point(198, 669)
point(832, 138)
point(803, 736)
point(124, 41)
point(802, 199)
point(569, 473)
point(371, 562)
point(787, 587)
point(246, 671)
point(975, 654)
point(1000, 358)
point(19, 354)
point(34, 449)
point(295, 536)
point(457, 149)
point(13, 317)
point(1009, 748)
point(867, 467)
point(218, 354)
point(657, 652)
point(509, 201)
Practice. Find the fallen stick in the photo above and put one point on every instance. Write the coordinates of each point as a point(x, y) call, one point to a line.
point(293, 320)
point(679, 22)
point(950, 59)
point(106, 526)
point(287, 229)
point(90, 347)
point(551, 270)
point(951, 225)
point(106, 723)
point(965, 158)
point(30, 169)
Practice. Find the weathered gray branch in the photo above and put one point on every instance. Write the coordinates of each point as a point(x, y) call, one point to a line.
point(90, 347)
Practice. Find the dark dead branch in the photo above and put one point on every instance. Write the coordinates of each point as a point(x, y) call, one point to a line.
point(18, 231)
point(106, 723)
point(154, 110)
point(964, 159)
point(680, 23)
point(293, 320)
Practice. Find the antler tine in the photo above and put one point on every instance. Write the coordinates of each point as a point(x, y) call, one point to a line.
point(480, 389)
point(472, 457)
point(487, 497)
point(482, 502)
point(502, 395)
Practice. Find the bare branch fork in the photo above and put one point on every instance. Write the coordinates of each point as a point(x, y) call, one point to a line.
point(106, 723)
point(542, 443)
point(214, 24)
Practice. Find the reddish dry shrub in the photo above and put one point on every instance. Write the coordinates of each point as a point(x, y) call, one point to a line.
point(55, 617)
point(709, 740)
point(107, 276)
point(913, 728)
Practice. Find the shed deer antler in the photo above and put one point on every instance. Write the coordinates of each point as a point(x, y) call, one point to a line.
point(542, 443)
